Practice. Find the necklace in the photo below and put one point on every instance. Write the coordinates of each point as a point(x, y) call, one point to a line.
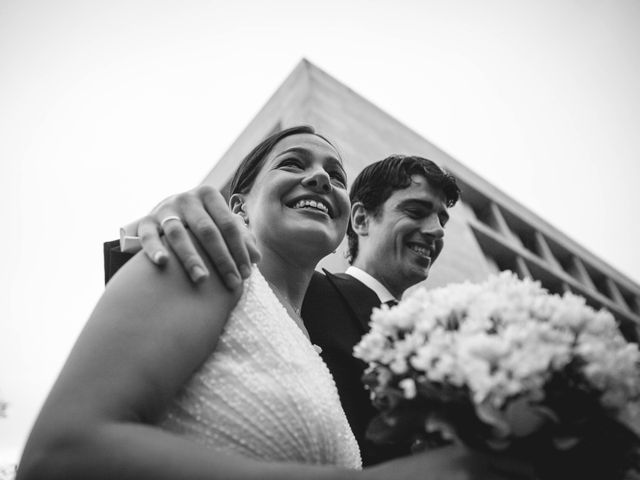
point(284, 299)
point(296, 317)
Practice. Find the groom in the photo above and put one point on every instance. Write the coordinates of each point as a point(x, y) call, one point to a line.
point(399, 207)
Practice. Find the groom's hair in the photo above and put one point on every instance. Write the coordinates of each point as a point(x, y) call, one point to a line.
point(251, 165)
point(377, 182)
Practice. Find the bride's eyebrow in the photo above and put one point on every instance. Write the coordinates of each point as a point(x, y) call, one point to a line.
point(306, 153)
point(334, 162)
point(299, 150)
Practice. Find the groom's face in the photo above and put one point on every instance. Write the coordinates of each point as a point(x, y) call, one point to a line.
point(406, 236)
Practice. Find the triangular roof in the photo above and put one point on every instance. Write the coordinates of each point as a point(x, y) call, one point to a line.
point(491, 230)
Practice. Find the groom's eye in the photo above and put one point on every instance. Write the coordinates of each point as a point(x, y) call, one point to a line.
point(415, 212)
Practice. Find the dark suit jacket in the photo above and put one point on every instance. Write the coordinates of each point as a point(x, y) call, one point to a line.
point(336, 312)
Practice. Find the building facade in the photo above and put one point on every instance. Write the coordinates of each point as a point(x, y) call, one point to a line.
point(488, 231)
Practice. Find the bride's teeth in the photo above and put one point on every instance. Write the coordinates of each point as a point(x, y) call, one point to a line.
point(311, 203)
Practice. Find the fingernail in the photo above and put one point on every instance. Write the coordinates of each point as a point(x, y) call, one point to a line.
point(232, 280)
point(245, 271)
point(198, 273)
point(159, 257)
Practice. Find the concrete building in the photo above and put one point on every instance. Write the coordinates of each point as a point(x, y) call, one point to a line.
point(488, 231)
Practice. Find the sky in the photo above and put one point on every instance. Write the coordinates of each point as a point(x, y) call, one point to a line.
point(106, 108)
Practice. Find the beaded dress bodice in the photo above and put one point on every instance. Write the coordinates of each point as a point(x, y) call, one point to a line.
point(265, 392)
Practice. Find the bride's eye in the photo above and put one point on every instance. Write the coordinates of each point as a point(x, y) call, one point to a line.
point(292, 163)
point(338, 177)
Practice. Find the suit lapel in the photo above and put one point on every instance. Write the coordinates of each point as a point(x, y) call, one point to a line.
point(359, 298)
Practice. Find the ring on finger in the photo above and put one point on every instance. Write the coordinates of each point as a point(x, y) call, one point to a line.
point(168, 219)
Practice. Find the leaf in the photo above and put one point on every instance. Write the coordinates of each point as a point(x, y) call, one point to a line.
point(524, 418)
point(565, 442)
point(494, 417)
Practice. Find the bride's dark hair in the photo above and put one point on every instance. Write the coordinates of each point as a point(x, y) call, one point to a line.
point(251, 165)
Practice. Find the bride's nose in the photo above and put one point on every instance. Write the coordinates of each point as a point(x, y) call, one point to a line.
point(318, 179)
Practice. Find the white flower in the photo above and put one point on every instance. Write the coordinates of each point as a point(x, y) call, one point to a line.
point(372, 346)
point(408, 386)
point(490, 348)
point(399, 366)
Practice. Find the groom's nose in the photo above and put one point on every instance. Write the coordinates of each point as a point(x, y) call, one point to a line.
point(431, 225)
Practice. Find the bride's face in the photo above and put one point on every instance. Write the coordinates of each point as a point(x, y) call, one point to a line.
point(299, 199)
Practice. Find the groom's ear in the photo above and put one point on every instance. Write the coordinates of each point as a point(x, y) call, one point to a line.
point(359, 219)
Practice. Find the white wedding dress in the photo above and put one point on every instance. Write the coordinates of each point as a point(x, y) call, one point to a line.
point(265, 392)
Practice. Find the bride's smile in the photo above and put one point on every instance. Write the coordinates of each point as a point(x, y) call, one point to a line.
point(313, 205)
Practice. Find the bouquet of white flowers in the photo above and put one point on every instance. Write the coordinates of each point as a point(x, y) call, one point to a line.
point(506, 366)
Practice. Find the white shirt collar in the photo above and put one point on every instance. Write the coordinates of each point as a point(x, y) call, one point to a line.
point(380, 290)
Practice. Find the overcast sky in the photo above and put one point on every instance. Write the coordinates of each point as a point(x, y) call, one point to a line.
point(106, 107)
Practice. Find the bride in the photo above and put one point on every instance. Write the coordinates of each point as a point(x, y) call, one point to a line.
point(171, 380)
